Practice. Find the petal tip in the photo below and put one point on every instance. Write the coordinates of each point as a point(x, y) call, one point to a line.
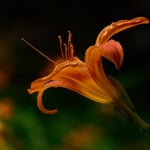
point(29, 91)
point(142, 20)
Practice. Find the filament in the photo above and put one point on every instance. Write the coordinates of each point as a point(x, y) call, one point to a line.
point(60, 44)
point(51, 60)
point(70, 46)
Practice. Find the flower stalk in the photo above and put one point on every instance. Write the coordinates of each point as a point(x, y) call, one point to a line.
point(133, 117)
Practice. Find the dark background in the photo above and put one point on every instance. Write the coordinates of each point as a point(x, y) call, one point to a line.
point(40, 22)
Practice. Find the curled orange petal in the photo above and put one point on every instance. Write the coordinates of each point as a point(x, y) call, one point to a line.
point(93, 60)
point(118, 26)
point(113, 51)
point(41, 106)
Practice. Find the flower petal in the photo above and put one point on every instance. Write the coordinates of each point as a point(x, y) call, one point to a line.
point(118, 26)
point(113, 51)
point(93, 60)
point(75, 77)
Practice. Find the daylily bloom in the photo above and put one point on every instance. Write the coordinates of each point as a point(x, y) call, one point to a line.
point(88, 77)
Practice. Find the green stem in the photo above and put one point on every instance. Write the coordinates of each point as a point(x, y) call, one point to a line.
point(143, 126)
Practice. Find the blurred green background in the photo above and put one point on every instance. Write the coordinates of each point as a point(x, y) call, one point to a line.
point(81, 124)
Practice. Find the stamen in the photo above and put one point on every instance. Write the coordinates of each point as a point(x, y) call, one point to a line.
point(61, 49)
point(70, 46)
point(51, 60)
point(66, 49)
point(69, 41)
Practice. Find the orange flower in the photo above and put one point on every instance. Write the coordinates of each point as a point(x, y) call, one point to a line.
point(88, 77)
